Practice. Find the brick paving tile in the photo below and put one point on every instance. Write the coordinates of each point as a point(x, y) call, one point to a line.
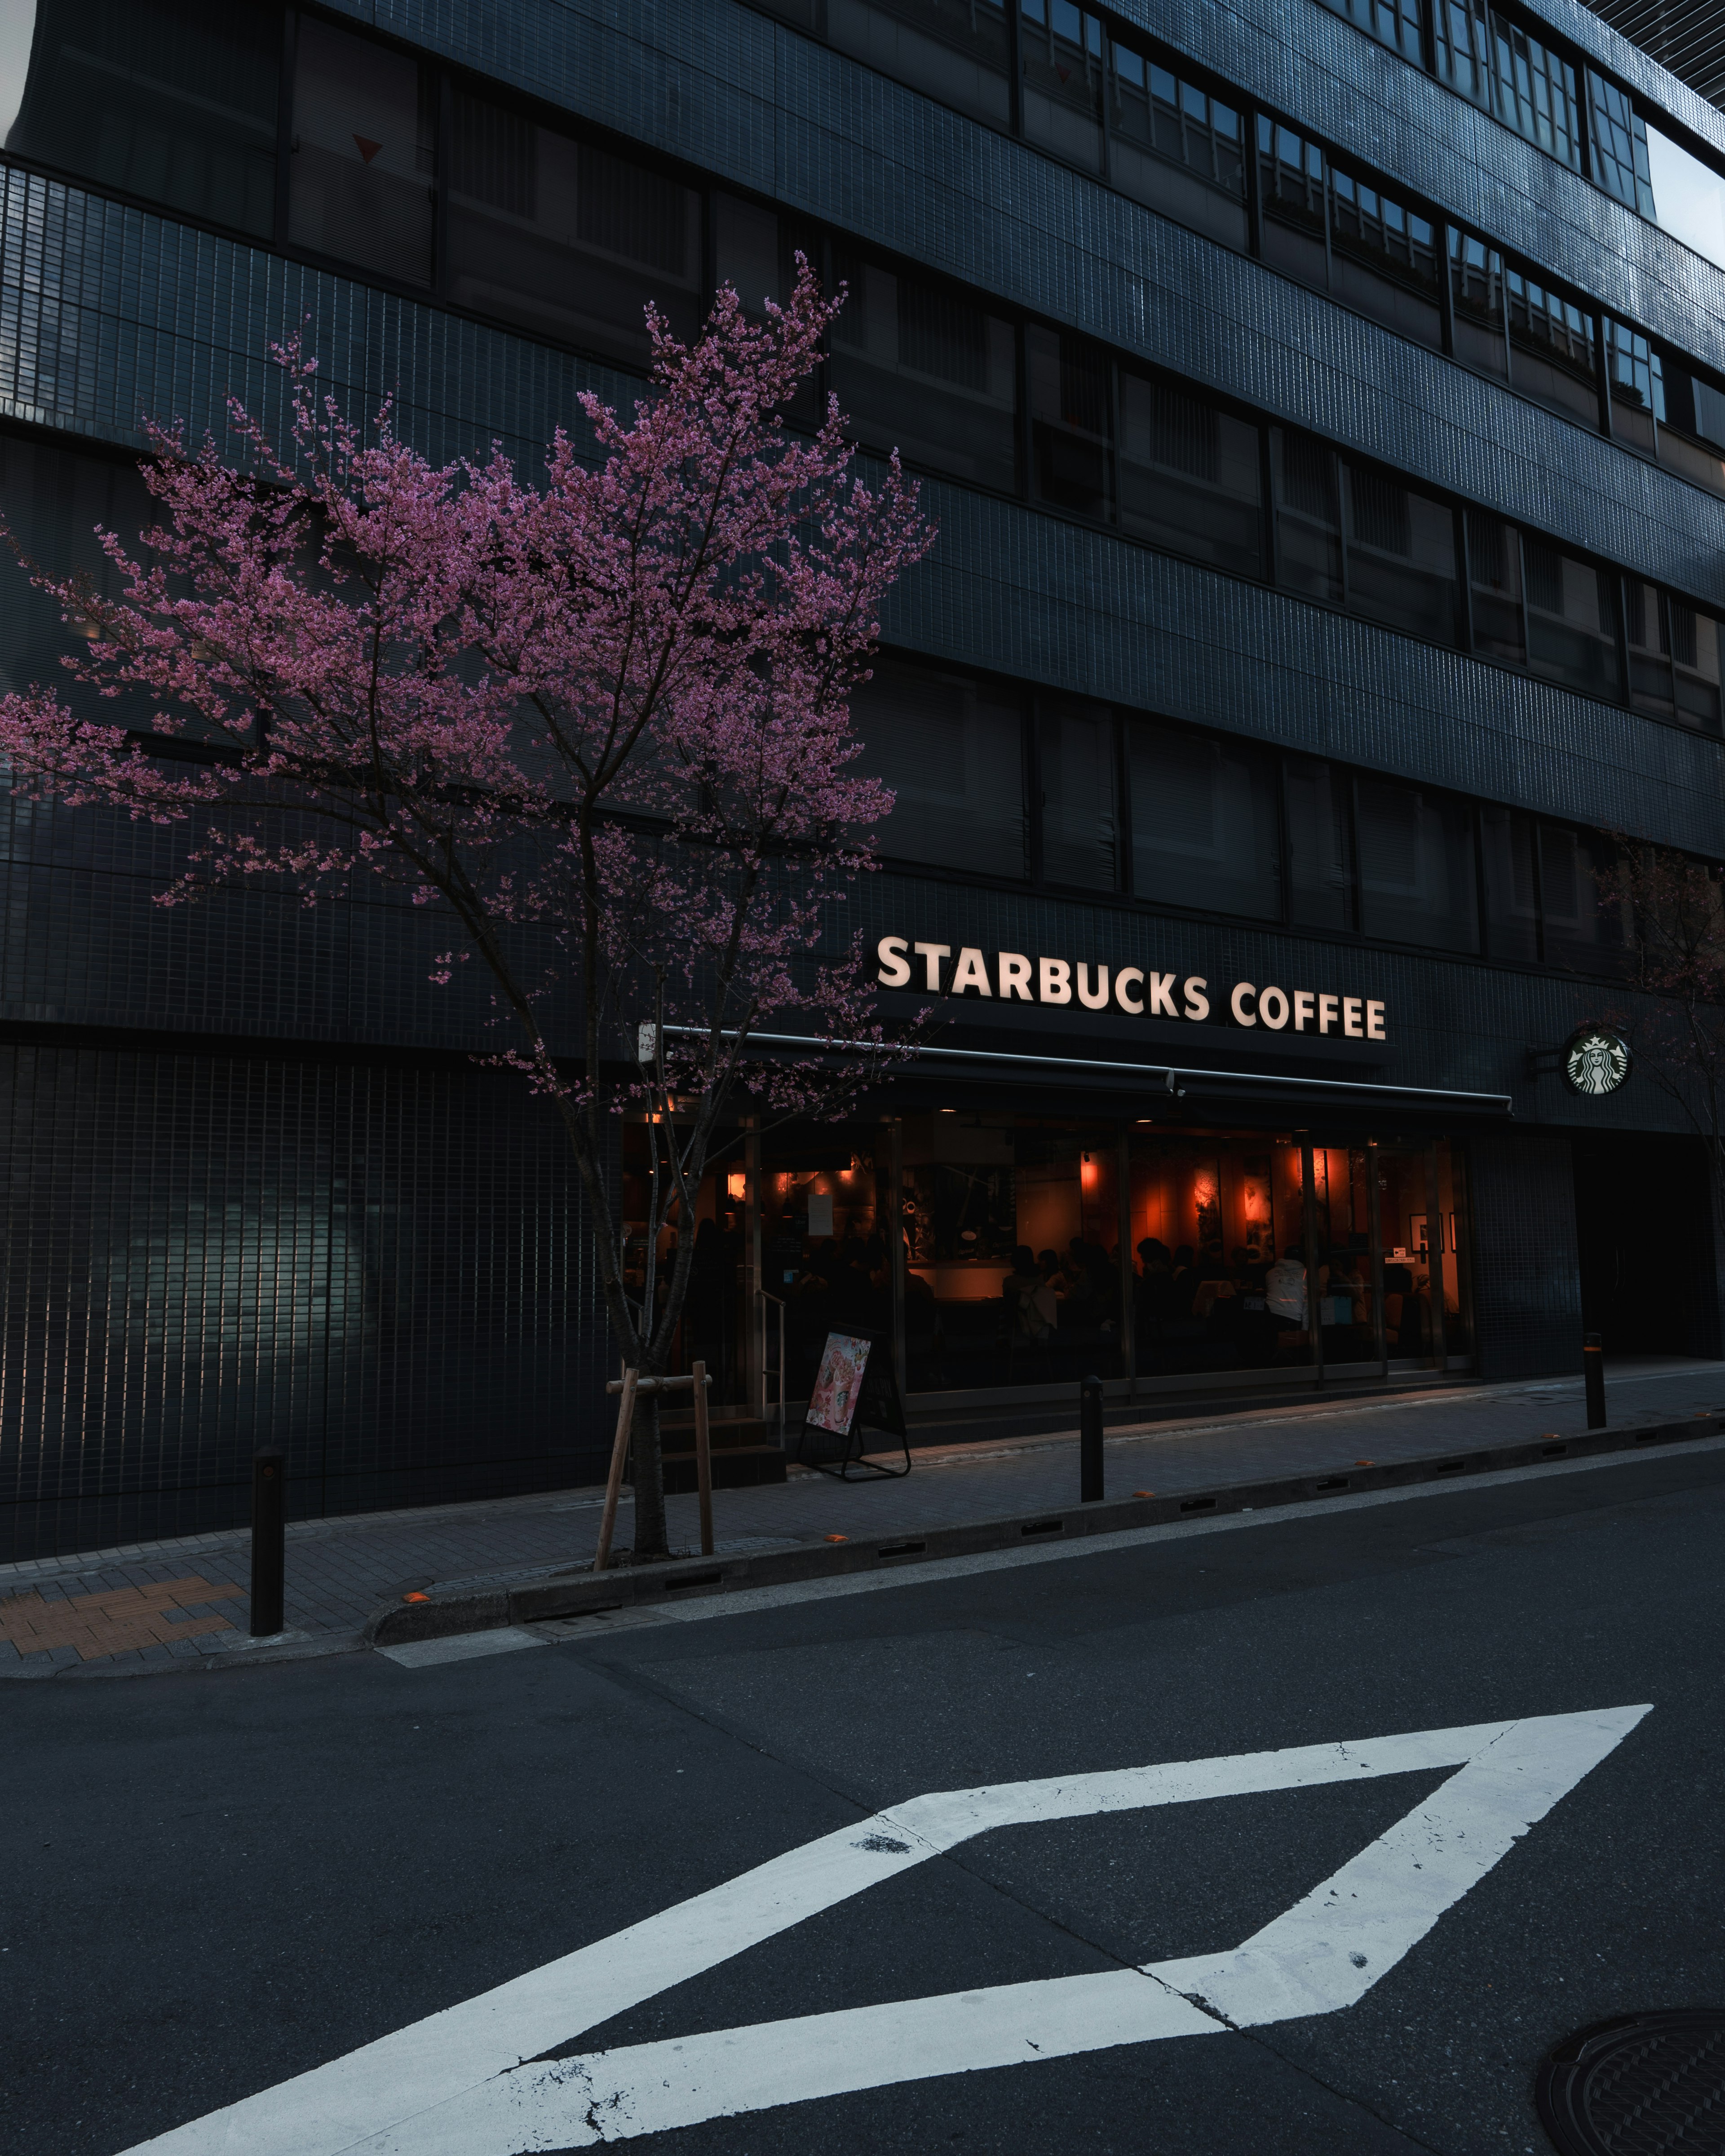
point(114, 1621)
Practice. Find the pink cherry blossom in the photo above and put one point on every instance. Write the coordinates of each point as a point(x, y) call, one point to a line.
point(599, 722)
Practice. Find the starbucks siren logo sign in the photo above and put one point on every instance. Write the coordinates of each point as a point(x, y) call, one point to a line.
point(1596, 1061)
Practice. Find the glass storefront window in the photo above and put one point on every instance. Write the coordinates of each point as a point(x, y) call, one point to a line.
point(1218, 1229)
point(1421, 1223)
point(823, 1254)
point(1012, 1262)
point(1024, 1263)
point(1346, 1286)
point(716, 1315)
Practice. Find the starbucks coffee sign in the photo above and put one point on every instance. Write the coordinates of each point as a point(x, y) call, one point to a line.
point(1018, 977)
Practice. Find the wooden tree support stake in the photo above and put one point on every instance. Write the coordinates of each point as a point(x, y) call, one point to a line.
point(632, 1386)
point(619, 1453)
point(703, 1460)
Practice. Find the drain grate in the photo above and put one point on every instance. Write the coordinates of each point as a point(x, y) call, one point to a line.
point(1642, 2085)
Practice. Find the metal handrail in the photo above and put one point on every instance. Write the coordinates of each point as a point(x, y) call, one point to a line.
point(766, 1297)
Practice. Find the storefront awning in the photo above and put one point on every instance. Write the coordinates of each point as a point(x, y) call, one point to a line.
point(1176, 1080)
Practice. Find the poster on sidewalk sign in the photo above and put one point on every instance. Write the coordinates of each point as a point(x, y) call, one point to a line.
point(855, 1389)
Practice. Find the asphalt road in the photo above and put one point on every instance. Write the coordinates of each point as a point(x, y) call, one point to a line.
point(218, 1882)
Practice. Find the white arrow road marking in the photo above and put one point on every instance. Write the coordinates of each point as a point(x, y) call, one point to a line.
point(454, 2084)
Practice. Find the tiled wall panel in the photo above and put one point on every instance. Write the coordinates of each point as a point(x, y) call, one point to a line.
point(1527, 1287)
point(381, 1269)
point(95, 293)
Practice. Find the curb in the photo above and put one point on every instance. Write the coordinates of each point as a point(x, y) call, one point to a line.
point(581, 1592)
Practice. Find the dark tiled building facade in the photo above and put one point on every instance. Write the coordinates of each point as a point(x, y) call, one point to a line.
point(1323, 408)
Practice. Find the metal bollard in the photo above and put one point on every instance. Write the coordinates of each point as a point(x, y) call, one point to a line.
point(1090, 1441)
point(1592, 1369)
point(269, 1540)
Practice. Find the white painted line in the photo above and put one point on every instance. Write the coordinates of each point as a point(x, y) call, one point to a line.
point(461, 2083)
point(933, 1570)
point(463, 1646)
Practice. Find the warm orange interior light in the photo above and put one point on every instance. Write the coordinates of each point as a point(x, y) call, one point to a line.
point(736, 1183)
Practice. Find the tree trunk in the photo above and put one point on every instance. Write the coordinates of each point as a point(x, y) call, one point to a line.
point(649, 1540)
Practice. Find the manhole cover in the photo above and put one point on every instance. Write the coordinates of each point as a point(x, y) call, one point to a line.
point(1642, 2085)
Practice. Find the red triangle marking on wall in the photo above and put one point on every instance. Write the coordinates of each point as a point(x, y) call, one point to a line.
point(368, 150)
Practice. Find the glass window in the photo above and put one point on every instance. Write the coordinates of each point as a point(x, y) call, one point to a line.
point(1650, 647)
point(956, 50)
point(1498, 64)
point(1308, 516)
point(1571, 630)
point(1071, 427)
point(952, 750)
point(918, 366)
point(1294, 188)
point(1012, 1236)
point(1397, 23)
point(1060, 53)
point(1633, 369)
point(1619, 146)
point(568, 241)
point(1535, 90)
point(1416, 869)
point(1174, 146)
point(1320, 845)
point(360, 185)
point(1464, 47)
point(1694, 660)
point(171, 100)
point(1204, 822)
point(1494, 563)
point(1554, 356)
point(53, 499)
point(1190, 476)
point(1688, 197)
point(1401, 556)
point(1674, 656)
point(1585, 920)
point(1345, 1290)
point(1511, 865)
point(1218, 1228)
point(1076, 750)
point(1477, 297)
point(1384, 257)
point(1691, 424)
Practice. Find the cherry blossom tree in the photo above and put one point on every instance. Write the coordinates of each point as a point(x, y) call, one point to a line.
point(598, 722)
